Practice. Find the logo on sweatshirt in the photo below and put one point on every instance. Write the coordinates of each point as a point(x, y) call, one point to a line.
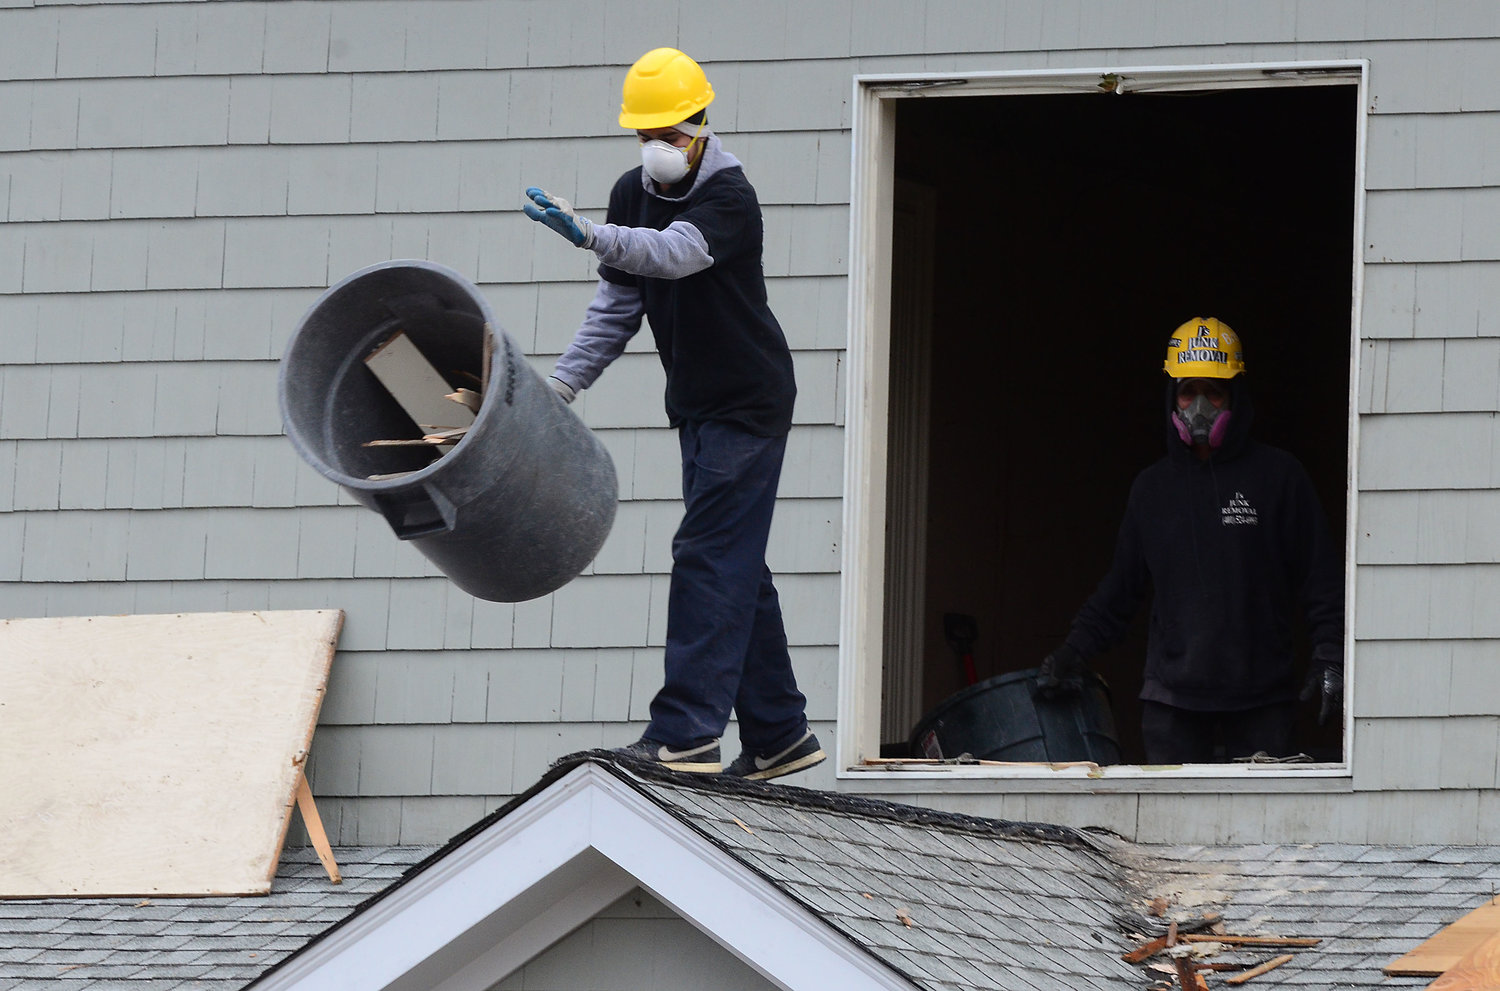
point(1239, 512)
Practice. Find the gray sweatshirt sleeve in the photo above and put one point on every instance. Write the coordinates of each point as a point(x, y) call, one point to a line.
point(611, 321)
point(674, 253)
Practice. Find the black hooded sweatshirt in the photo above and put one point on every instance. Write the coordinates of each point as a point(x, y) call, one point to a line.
point(1231, 548)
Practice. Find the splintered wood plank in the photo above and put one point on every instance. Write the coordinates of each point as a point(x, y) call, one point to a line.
point(1146, 950)
point(418, 387)
point(1449, 945)
point(1260, 969)
point(467, 398)
point(1251, 940)
point(155, 755)
point(315, 832)
point(1477, 970)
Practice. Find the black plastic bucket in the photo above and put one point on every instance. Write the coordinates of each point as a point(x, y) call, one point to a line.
point(1003, 718)
point(514, 510)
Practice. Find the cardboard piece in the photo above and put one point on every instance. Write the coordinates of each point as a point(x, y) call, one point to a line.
point(155, 755)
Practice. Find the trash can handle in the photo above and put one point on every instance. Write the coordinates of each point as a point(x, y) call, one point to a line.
point(417, 512)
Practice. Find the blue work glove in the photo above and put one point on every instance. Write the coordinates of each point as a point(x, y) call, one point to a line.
point(1061, 674)
point(557, 213)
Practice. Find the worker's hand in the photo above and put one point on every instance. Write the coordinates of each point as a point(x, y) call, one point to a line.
point(1325, 681)
point(557, 213)
point(564, 390)
point(1061, 674)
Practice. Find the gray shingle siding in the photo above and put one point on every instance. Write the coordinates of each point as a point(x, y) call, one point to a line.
point(179, 181)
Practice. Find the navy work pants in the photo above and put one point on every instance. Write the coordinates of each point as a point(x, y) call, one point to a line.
point(726, 646)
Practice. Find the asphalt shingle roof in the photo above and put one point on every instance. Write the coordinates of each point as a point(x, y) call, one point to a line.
point(205, 944)
point(952, 902)
point(990, 904)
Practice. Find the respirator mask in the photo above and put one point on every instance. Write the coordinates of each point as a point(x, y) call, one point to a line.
point(1201, 422)
point(666, 163)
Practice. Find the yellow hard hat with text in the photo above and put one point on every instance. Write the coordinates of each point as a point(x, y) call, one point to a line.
point(1204, 348)
point(663, 88)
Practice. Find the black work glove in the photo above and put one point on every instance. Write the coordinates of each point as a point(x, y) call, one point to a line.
point(1061, 674)
point(1325, 681)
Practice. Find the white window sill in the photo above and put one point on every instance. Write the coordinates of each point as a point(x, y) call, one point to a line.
point(907, 778)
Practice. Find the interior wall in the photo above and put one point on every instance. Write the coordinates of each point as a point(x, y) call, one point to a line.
point(1075, 232)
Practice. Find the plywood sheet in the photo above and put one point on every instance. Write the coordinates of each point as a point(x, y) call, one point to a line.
point(154, 755)
point(1477, 970)
point(1450, 944)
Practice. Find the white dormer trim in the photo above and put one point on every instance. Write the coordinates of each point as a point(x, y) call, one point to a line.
point(504, 895)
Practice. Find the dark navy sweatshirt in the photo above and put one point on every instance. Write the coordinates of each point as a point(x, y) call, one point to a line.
point(724, 353)
point(1230, 549)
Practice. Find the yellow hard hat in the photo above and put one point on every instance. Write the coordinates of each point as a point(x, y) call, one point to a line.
point(663, 88)
point(1204, 348)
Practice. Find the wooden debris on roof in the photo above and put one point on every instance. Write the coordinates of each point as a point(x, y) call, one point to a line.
point(1185, 949)
point(1228, 940)
point(1146, 950)
point(1188, 977)
point(1176, 932)
point(1259, 969)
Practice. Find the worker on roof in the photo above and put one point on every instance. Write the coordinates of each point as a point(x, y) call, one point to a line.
point(681, 247)
point(1228, 535)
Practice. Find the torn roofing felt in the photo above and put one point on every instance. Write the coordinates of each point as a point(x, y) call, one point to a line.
point(948, 901)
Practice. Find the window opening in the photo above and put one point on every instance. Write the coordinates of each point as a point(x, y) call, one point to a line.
point(1074, 232)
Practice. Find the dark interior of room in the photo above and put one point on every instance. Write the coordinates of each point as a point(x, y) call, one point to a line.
point(1074, 233)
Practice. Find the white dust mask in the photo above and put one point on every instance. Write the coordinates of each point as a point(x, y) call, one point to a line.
point(663, 162)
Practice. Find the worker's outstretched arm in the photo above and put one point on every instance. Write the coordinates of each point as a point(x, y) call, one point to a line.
point(611, 320)
point(676, 252)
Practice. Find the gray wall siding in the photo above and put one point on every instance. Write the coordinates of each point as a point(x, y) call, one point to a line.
point(635, 943)
point(1426, 544)
point(1429, 389)
point(178, 182)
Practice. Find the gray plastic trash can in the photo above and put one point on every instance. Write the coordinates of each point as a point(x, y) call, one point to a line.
point(514, 510)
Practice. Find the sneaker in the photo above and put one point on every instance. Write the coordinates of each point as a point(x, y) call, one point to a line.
point(701, 759)
point(798, 757)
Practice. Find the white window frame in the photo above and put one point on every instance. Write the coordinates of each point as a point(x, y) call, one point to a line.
point(862, 596)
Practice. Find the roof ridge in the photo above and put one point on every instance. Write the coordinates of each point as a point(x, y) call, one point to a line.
point(827, 801)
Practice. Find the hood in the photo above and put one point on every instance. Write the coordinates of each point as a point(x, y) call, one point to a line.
point(1236, 437)
point(715, 159)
